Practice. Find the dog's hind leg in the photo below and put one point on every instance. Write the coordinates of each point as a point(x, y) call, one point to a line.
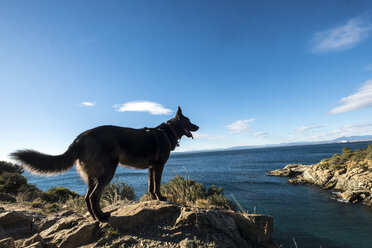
point(158, 170)
point(101, 182)
point(95, 198)
point(91, 186)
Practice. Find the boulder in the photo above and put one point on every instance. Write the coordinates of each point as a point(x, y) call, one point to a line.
point(227, 228)
point(289, 170)
point(14, 218)
point(85, 233)
point(62, 224)
point(257, 228)
point(15, 224)
point(140, 214)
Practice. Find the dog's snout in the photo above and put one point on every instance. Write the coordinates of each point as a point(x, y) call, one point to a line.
point(195, 128)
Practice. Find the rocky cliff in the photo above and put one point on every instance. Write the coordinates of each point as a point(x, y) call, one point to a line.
point(134, 224)
point(349, 174)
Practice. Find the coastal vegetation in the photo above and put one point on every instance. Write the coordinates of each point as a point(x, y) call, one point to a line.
point(348, 157)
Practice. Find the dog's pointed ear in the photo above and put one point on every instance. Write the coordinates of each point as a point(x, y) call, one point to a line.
point(179, 111)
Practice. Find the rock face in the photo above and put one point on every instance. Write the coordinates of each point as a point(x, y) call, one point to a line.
point(353, 182)
point(143, 224)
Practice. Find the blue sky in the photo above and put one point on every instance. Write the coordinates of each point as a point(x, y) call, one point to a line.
point(246, 72)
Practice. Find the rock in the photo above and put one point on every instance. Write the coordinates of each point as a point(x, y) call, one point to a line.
point(354, 196)
point(136, 215)
point(35, 240)
point(36, 245)
point(65, 223)
point(13, 218)
point(7, 243)
point(47, 223)
point(15, 224)
point(228, 229)
point(7, 198)
point(144, 224)
point(353, 181)
point(289, 170)
point(256, 227)
point(83, 234)
point(316, 176)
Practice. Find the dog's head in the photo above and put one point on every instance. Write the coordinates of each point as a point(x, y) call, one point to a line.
point(183, 125)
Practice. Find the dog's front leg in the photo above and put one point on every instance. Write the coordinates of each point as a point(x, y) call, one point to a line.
point(157, 172)
point(151, 182)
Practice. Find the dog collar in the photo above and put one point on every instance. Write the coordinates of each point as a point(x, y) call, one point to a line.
point(173, 131)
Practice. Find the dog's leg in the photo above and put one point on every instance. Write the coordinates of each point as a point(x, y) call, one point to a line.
point(95, 198)
point(91, 186)
point(158, 170)
point(151, 183)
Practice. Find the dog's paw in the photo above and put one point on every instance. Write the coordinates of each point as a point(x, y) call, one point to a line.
point(161, 198)
point(153, 196)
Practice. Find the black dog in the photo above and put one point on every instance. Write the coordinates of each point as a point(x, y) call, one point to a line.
point(98, 151)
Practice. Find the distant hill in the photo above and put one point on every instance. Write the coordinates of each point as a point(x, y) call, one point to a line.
point(338, 140)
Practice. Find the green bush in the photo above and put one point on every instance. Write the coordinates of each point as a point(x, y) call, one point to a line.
point(53, 208)
point(37, 203)
point(359, 155)
point(181, 190)
point(116, 191)
point(59, 194)
point(346, 153)
point(9, 167)
point(10, 182)
point(357, 158)
point(336, 162)
point(186, 191)
point(369, 152)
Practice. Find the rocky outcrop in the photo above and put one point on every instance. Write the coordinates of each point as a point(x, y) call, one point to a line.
point(353, 183)
point(136, 224)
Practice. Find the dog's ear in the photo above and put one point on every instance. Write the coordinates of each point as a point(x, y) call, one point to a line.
point(179, 111)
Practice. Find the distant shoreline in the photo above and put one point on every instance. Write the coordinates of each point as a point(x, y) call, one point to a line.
point(241, 148)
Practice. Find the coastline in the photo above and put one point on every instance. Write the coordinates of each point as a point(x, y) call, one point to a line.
point(352, 182)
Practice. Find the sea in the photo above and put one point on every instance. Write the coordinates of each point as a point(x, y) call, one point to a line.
point(304, 215)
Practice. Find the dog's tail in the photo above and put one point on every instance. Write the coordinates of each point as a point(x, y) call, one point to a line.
point(42, 164)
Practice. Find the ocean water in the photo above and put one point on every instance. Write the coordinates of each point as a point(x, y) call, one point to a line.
point(309, 215)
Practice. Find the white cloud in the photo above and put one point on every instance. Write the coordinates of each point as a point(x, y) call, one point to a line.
point(362, 128)
point(361, 99)
point(87, 104)
point(343, 37)
point(260, 134)
point(240, 126)
point(143, 106)
point(306, 128)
